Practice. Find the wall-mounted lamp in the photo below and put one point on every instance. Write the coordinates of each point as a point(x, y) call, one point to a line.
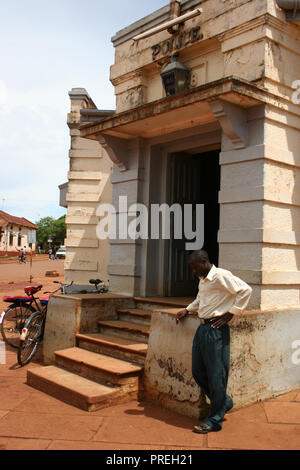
point(175, 77)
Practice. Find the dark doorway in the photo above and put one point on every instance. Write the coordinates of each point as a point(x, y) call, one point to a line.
point(194, 179)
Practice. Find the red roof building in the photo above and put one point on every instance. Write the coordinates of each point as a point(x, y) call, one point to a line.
point(13, 234)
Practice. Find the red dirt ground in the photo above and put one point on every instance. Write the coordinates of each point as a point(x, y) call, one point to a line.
point(15, 276)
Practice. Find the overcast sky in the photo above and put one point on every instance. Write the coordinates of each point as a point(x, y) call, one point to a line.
point(47, 48)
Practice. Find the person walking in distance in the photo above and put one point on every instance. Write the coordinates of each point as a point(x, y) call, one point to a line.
point(20, 255)
point(221, 295)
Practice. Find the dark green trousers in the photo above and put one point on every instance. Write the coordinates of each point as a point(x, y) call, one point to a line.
point(210, 368)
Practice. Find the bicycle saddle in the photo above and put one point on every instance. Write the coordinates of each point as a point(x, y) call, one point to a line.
point(95, 281)
point(30, 290)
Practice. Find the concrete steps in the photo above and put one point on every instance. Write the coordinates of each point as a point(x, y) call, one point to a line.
point(135, 315)
point(74, 389)
point(129, 330)
point(114, 346)
point(104, 368)
point(98, 367)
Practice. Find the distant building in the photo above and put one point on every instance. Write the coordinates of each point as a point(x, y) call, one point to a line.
point(13, 234)
point(63, 189)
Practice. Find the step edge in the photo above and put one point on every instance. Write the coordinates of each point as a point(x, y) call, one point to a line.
point(142, 300)
point(125, 328)
point(88, 399)
point(132, 311)
point(99, 368)
point(112, 345)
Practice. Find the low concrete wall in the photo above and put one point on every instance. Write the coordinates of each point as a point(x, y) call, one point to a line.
point(71, 314)
point(261, 360)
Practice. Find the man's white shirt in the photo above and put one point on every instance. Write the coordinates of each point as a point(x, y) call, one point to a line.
point(220, 292)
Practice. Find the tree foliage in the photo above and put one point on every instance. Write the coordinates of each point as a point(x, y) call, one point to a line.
point(50, 228)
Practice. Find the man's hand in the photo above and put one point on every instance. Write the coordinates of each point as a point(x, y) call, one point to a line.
point(181, 314)
point(222, 320)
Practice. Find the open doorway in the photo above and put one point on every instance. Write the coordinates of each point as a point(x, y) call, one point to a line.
point(194, 178)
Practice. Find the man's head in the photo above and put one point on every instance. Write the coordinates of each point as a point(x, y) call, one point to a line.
point(199, 263)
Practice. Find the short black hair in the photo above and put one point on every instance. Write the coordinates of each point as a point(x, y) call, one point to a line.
point(199, 255)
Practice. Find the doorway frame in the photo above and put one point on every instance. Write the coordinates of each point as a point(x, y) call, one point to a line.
point(154, 279)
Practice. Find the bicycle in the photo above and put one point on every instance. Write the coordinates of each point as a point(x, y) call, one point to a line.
point(103, 288)
point(22, 259)
point(32, 332)
point(95, 282)
point(13, 318)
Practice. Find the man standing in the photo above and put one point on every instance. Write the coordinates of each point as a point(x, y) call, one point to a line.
point(221, 296)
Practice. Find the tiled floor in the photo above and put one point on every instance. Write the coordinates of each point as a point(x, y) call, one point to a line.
point(32, 420)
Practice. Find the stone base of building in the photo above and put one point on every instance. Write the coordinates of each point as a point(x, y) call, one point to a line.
point(68, 315)
point(261, 360)
point(263, 354)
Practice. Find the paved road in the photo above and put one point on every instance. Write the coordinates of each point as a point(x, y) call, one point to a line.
point(14, 277)
point(20, 272)
point(30, 419)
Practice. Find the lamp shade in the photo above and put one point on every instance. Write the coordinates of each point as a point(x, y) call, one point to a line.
point(175, 77)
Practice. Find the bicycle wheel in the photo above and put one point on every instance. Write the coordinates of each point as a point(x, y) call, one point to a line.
point(12, 321)
point(34, 334)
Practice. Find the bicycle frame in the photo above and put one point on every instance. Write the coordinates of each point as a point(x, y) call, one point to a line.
point(43, 307)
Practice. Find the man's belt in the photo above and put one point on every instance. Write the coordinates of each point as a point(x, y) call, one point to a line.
point(204, 321)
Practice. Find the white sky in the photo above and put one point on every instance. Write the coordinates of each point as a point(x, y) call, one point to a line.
point(48, 47)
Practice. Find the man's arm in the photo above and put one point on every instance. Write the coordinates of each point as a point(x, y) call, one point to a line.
point(242, 293)
point(193, 307)
point(240, 289)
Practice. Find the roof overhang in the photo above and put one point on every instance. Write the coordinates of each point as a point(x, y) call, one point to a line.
point(177, 112)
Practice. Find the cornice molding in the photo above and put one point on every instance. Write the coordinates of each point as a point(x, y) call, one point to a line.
point(265, 19)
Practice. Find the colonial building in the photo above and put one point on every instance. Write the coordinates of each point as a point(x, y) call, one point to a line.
point(207, 112)
point(13, 235)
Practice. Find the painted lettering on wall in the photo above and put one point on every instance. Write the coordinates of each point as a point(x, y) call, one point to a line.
point(177, 42)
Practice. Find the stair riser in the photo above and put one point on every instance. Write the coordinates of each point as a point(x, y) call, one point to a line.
point(113, 352)
point(119, 400)
point(72, 398)
point(107, 330)
point(134, 319)
point(91, 373)
point(150, 307)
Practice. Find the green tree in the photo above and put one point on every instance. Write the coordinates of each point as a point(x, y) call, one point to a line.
point(50, 228)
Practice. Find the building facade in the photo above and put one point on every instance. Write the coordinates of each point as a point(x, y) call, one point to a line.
point(88, 186)
point(237, 126)
point(14, 233)
point(230, 141)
